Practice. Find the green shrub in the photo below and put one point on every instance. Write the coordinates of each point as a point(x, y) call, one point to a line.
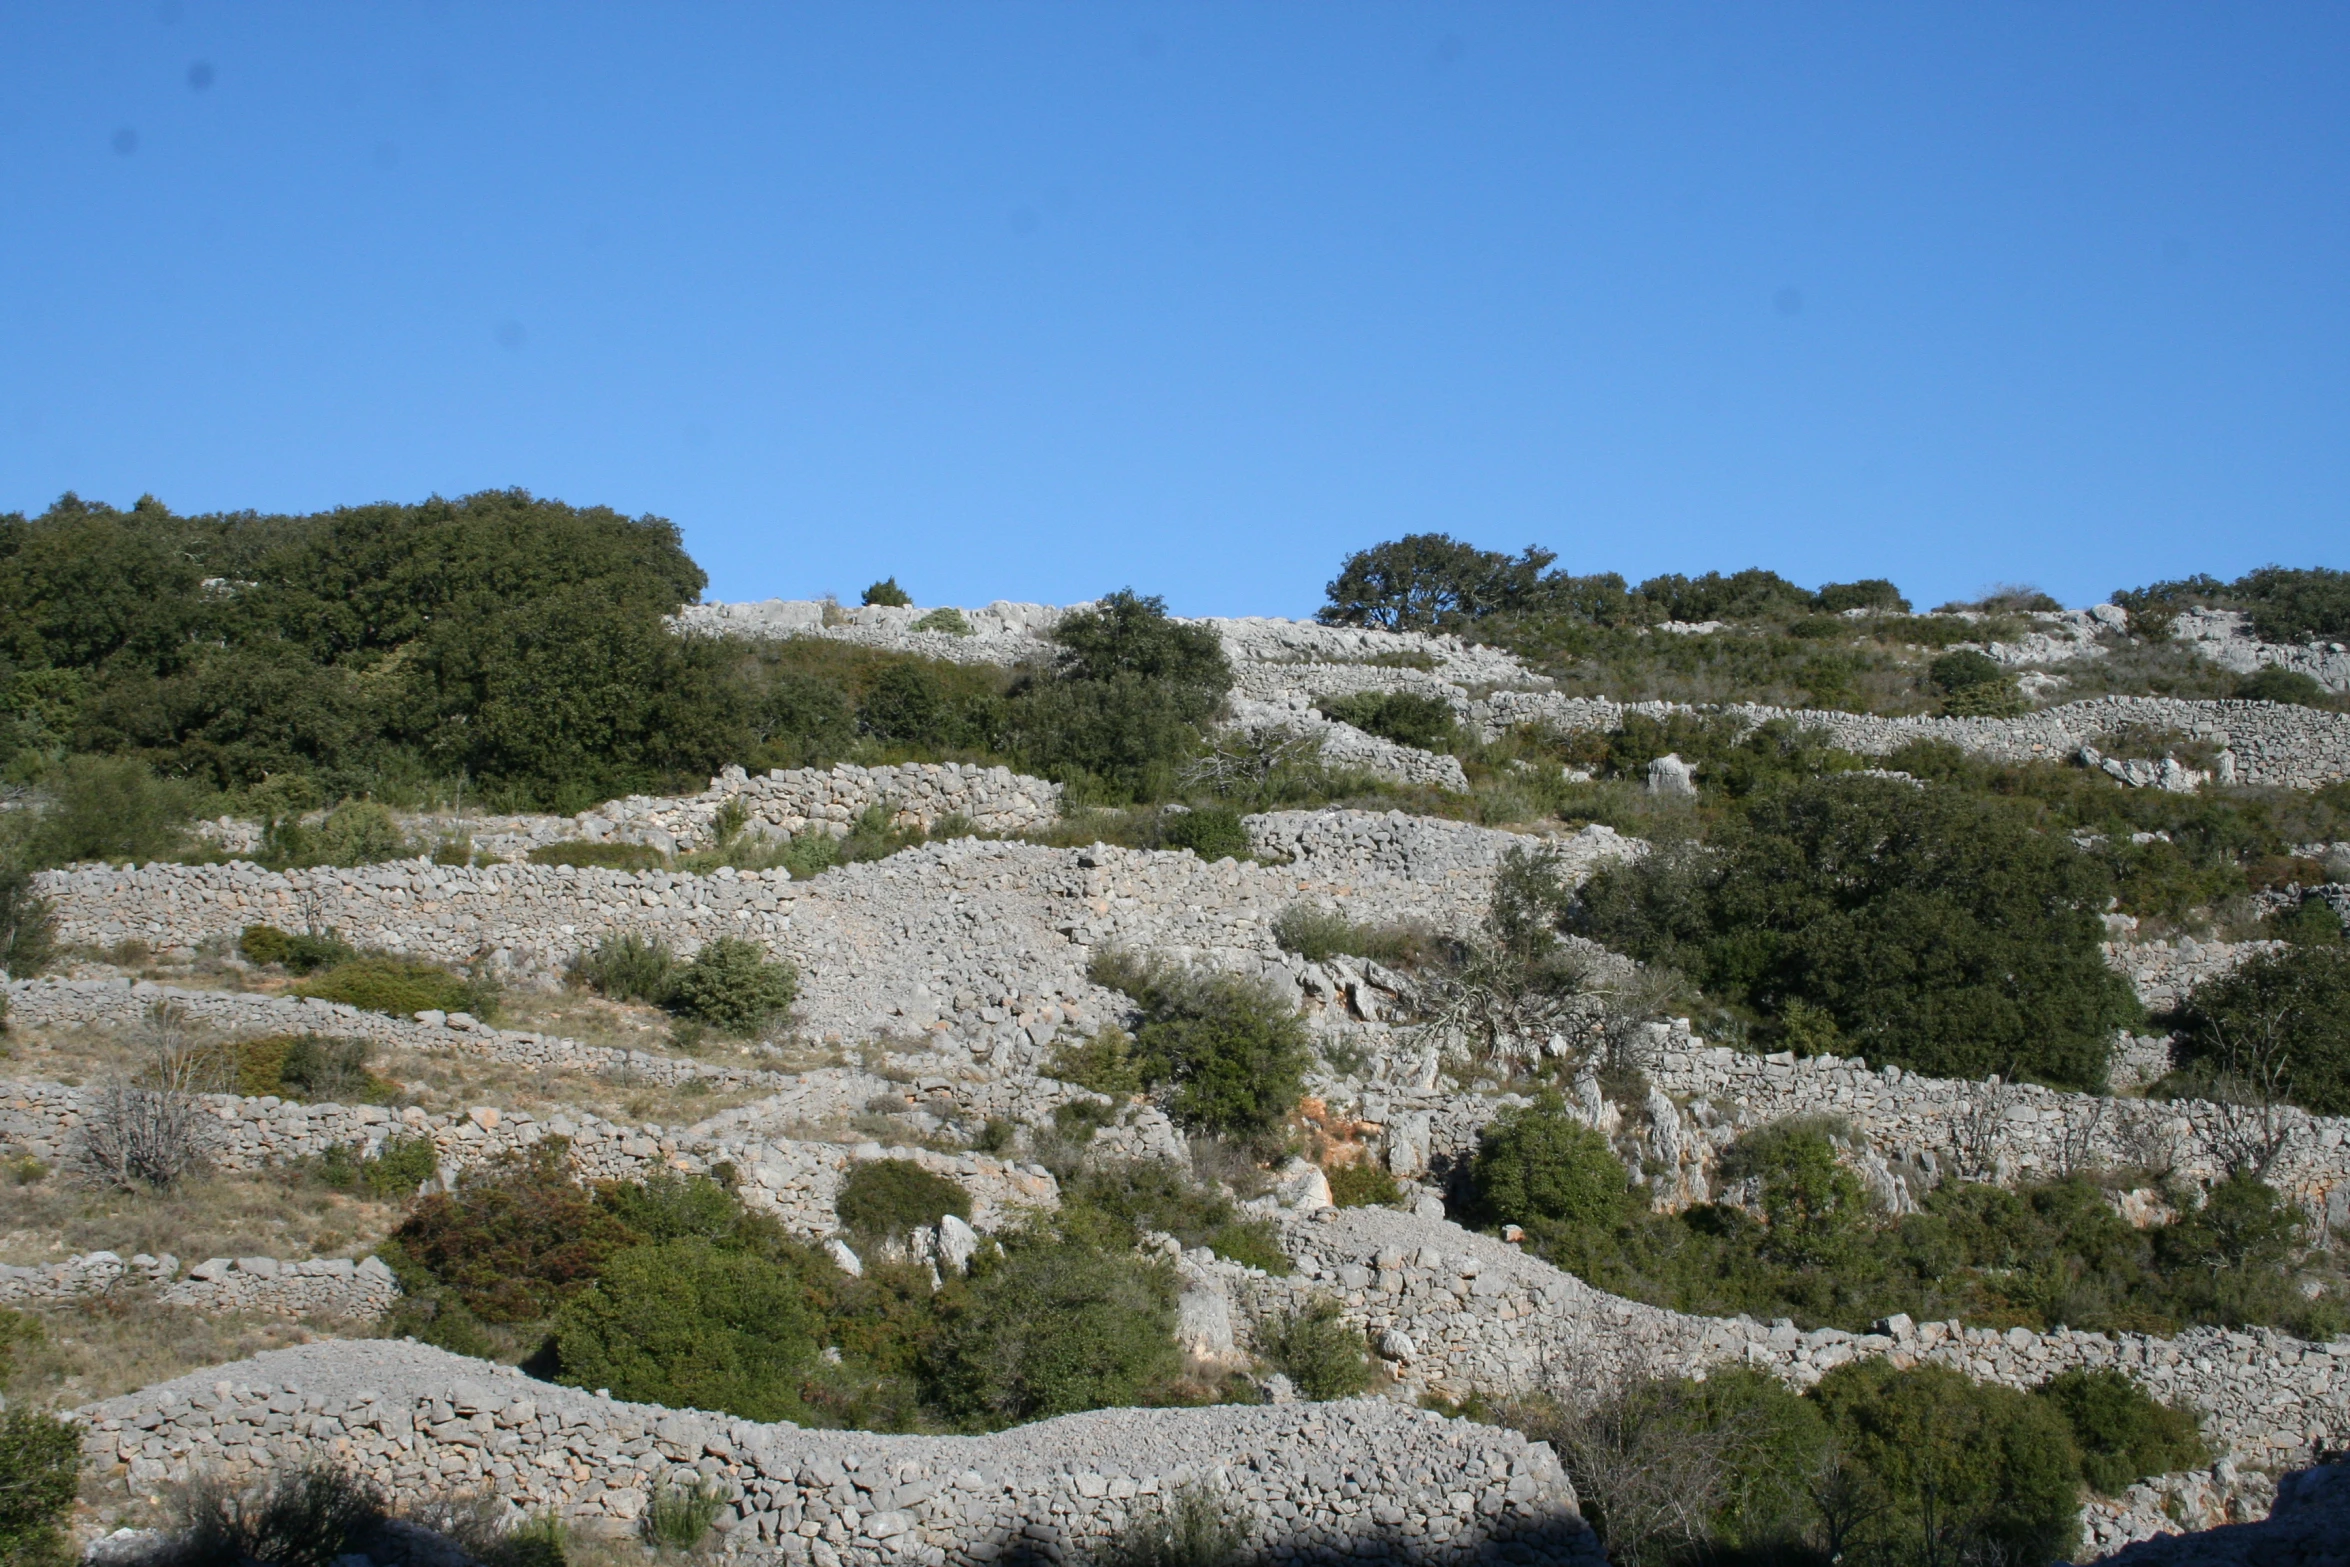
point(627, 965)
point(28, 925)
point(1111, 1203)
point(1103, 1064)
point(1537, 1166)
point(1407, 717)
point(299, 1515)
point(356, 832)
point(1964, 669)
point(1834, 598)
point(734, 987)
point(1942, 932)
point(2123, 1432)
point(687, 1324)
point(515, 1238)
point(110, 808)
point(1211, 832)
point(402, 987)
point(2271, 683)
point(2280, 1020)
point(400, 1166)
point(307, 1069)
point(609, 856)
point(1318, 1350)
point(1124, 700)
point(1426, 581)
point(885, 1198)
point(949, 621)
point(298, 954)
point(1234, 1052)
point(2002, 700)
point(1961, 1469)
point(1051, 1328)
point(1815, 1207)
point(1318, 935)
point(40, 1469)
point(1363, 1185)
point(804, 720)
point(887, 592)
point(1189, 1525)
point(668, 1206)
point(679, 1517)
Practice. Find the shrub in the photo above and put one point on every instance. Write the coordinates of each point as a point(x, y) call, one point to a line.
point(1051, 1328)
point(1406, 717)
point(1187, 1526)
point(1124, 699)
point(40, 1470)
point(402, 987)
point(1363, 1185)
point(400, 1166)
point(609, 856)
point(1814, 1205)
point(110, 808)
point(298, 954)
point(1966, 1469)
point(948, 621)
point(803, 721)
point(1103, 1064)
point(136, 1134)
point(1112, 1202)
point(2280, 1021)
point(2271, 683)
point(627, 966)
point(28, 925)
point(1318, 935)
point(1319, 1350)
point(679, 1517)
point(887, 591)
point(307, 1069)
point(2124, 1433)
point(1537, 1166)
point(667, 1206)
point(734, 987)
point(1212, 833)
point(517, 1236)
point(689, 1325)
point(1424, 581)
point(886, 1198)
point(1940, 931)
point(1963, 670)
point(304, 1515)
point(1834, 598)
point(356, 832)
point(1232, 1050)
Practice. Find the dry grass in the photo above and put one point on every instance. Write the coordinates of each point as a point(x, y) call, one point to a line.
point(119, 1343)
point(273, 1213)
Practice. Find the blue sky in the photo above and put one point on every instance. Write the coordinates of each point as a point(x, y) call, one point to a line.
point(1032, 301)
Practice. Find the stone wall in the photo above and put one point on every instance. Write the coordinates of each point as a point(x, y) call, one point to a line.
point(2291, 747)
point(1347, 748)
point(81, 1277)
point(320, 1287)
point(1310, 1481)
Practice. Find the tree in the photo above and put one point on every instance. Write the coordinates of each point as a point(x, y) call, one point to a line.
point(2278, 1027)
point(887, 592)
point(1430, 581)
point(1124, 699)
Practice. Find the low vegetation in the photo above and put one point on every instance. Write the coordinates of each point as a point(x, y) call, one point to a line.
point(1231, 1054)
point(730, 985)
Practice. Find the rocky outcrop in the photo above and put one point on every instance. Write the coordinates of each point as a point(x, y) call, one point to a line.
point(2226, 637)
point(1313, 1482)
point(2309, 1526)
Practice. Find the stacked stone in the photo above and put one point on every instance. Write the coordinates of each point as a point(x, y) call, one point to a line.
point(1309, 1482)
point(1345, 747)
point(2162, 972)
point(2309, 1526)
point(358, 1291)
point(80, 1277)
point(786, 803)
point(1425, 850)
point(1003, 632)
point(2271, 743)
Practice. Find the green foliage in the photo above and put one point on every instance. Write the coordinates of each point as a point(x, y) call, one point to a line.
point(1102, 1064)
point(401, 1166)
point(298, 954)
point(1539, 1167)
point(679, 1517)
point(1752, 594)
point(1941, 932)
point(2123, 1432)
point(627, 965)
point(307, 1069)
point(516, 1238)
point(914, 703)
point(1188, 1526)
point(402, 987)
point(607, 856)
point(803, 720)
point(298, 1515)
point(688, 1324)
point(1964, 670)
point(887, 591)
point(1406, 717)
point(1110, 1204)
point(1318, 1350)
point(1834, 598)
point(1211, 832)
point(2284, 604)
point(110, 808)
point(1363, 1185)
point(1813, 1205)
point(1050, 1328)
point(1124, 700)
point(1954, 1468)
point(1318, 935)
point(1429, 581)
point(2280, 1021)
point(356, 832)
point(2273, 684)
point(733, 986)
point(885, 1198)
point(949, 621)
point(1232, 1051)
point(40, 1467)
point(28, 925)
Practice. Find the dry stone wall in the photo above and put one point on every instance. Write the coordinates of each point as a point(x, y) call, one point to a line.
point(1311, 1482)
point(318, 1287)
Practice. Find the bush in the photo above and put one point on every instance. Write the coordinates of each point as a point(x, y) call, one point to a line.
point(136, 1134)
point(887, 591)
point(734, 987)
point(948, 621)
point(1363, 1185)
point(1233, 1052)
point(1406, 717)
point(1212, 833)
point(1110, 1204)
point(307, 1069)
point(1834, 598)
point(304, 1515)
point(625, 965)
point(885, 1198)
point(400, 1166)
point(1963, 671)
point(28, 925)
point(2280, 1021)
point(1964, 1469)
point(40, 1471)
point(356, 832)
point(1939, 931)
point(2273, 684)
point(1427, 581)
point(1319, 1351)
point(686, 1324)
point(679, 1517)
point(608, 856)
point(1188, 1526)
point(110, 808)
point(1050, 1328)
point(402, 987)
point(1103, 1064)
point(1318, 935)
point(1124, 699)
point(298, 954)
point(1537, 1166)
point(2123, 1432)
point(516, 1238)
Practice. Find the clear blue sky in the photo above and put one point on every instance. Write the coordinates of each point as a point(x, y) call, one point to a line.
point(1031, 301)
